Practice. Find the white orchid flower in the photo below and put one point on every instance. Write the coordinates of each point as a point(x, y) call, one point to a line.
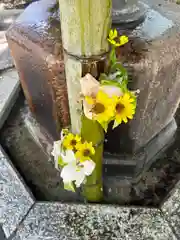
point(88, 167)
point(56, 152)
point(68, 173)
point(68, 157)
point(77, 173)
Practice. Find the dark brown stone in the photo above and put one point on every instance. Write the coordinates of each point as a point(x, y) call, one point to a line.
point(35, 45)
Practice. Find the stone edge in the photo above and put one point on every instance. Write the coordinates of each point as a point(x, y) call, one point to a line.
point(8, 231)
point(4, 113)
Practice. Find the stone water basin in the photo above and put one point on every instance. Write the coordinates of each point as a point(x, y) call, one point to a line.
point(39, 173)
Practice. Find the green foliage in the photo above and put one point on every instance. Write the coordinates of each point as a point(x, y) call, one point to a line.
point(60, 162)
point(112, 56)
point(117, 75)
point(69, 187)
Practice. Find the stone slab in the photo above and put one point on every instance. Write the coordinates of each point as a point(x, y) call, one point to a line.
point(9, 90)
point(174, 222)
point(172, 202)
point(171, 209)
point(54, 221)
point(15, 199)
point(133, 165)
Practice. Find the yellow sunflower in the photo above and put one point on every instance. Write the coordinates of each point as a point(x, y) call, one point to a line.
point(70, 141)
point(123, 40)
point(115, 40)
point(124, 109)
point(112, 36)
point(85, 151)
point(102, 107)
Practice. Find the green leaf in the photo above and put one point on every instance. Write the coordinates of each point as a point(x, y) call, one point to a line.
point(69, 187)
point(111, 83)
point(119, 74)
point(119, 67)
point(102, 77)
point(134, 97)
point(60, 162)
point(112, 56)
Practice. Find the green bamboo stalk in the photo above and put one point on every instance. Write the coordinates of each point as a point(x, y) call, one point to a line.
point(85, 26)
point(93, 132)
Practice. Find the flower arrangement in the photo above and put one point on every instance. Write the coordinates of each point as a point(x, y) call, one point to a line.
point(105, 100)
point(73, 155)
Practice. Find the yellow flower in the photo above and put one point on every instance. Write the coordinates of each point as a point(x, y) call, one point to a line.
point(123, 40)
point(70, 141)
point(124, 109)
point(102, 107)
point(113, 34)
point(113, 38)
point(84, 151)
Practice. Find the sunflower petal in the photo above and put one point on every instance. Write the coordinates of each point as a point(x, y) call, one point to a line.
point(131, 100)
point(126, 97)
point(117, 44)
point(89, 100)
point(113, 42)
point(105, 126)
point(113, 34)
point(125, 119)
point(130, 116)
point(116, 124)
point(123, 40)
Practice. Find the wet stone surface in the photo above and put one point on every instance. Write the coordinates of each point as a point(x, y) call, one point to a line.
point(96, 222)
point(152, 188)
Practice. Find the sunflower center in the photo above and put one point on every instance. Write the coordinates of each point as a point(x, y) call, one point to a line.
point(116, 39)
point(86, 152)
point(98, 108)
point(73, 142)
point(119, 107)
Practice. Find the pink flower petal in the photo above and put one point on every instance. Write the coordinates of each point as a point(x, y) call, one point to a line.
point(89, 85)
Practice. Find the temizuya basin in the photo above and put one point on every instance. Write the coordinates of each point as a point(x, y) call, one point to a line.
point(35, 45)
